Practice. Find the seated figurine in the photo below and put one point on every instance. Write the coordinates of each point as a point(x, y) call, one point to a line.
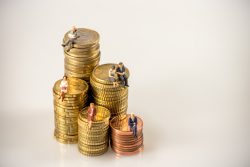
point(72, 35)
point(91, 114)
point(120, 71)
point(113, 75)
point(132, 122)
point(63, 87)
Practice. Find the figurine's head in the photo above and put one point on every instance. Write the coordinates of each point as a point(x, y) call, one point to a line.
point(92, 105)
point(120, 64)
point(113, 67)
point(65, 78)
point(132, 115)
point(74, 28)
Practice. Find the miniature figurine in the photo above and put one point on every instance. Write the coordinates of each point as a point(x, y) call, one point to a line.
point(72, 35)
point(132, 122)
point(121, 74)
point(63, 87)
point(113, 75)
point(91, 114)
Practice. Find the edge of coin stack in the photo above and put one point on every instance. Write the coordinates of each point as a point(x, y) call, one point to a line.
point(84, 56)
point(122, 140)
point(66, 112)
point(94, 141)
point(115, 98)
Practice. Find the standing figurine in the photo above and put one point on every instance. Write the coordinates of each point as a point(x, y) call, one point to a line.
point(72, 35)
point(113, 75)
point(91, 114)
point(63, 87)
point(121, 74)
point(132, 122)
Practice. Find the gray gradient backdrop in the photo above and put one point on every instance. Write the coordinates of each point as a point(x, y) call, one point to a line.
point(190, 73)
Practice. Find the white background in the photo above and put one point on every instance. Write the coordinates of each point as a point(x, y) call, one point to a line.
point(190, 79)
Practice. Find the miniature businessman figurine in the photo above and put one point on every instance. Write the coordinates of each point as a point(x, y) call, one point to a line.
point(91, 114)
point(63, 87)
point(72, 35)
point(121, 74)
point(113, 75)
point(132, 122)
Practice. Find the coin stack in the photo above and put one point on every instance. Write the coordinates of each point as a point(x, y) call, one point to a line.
point(93, 141)
point(105, 94)
point(80, 61)
point(122, 139)
point(66, 111)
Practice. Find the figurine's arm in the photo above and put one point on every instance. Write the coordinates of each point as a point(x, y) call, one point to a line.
point(120, 73)
point(110, 73)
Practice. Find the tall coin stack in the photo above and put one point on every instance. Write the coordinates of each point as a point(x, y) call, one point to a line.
point(66, 111)
point(122, 139)
point(105, 94)
point(80, 61)
point(95, 140)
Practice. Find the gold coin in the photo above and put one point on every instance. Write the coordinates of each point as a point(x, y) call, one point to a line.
point(93, 153)
point(83, 53)
point(75, 61)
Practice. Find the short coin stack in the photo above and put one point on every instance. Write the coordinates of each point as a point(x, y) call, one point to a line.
point(122, 139)
point(66, 111)
point(115, 98)
point(95, 140)
point(84, 56)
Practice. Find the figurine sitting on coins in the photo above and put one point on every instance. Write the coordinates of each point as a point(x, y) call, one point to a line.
point(132, 123)
point(120, 71)
point(91, 114)
point(113, 76)
point(63, 87)
point(72, 35)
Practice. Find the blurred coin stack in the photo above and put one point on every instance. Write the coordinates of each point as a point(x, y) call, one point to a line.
point(105, 94)
point(122, 139)
point(66, 111)
point(93, 141)
point(84, 56)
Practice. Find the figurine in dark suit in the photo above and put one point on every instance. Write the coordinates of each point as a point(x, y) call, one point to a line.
point(132, 122)
point(120, 70)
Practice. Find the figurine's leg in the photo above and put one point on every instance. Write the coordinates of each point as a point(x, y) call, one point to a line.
point(122, 80)
point(125, 80)
point(63, 95)
point(69, 46)
point(135, 131)
point(90, 124)
point(66, 43)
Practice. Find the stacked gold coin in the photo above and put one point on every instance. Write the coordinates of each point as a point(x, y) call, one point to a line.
point(93, 141)
point(104, 93)
point(80, 61)
point(66, 111)
point(122, 139)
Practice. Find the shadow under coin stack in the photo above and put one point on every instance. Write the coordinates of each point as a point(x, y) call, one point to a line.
point(122, 139)
point(80, 61)
point(95, 140)
point(115, 98)
point(66, 112)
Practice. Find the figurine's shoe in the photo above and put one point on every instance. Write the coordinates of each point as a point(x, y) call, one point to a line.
point(63, 45)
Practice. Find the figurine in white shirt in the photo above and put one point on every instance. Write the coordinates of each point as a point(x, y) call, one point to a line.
point(72, 35)
point(113, 75)
point(63, 87)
